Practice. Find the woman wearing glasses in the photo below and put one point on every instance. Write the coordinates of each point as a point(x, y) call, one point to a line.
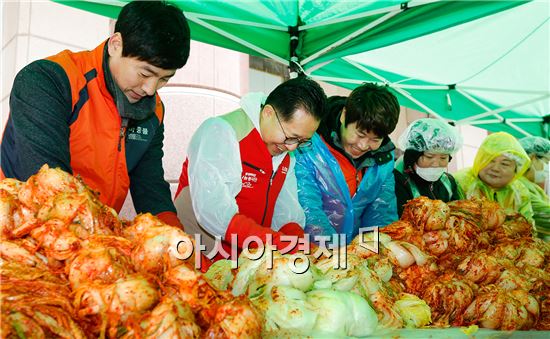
point(238, 180)
point(345, 178)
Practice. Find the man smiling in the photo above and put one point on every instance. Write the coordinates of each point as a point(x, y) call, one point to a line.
point(499, 163)
point(97, 113)
point(345, 179)
point(238, 178)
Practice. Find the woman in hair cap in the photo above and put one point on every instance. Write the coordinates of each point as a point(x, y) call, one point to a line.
point(499, 162)
point(422, 171)
point(538, 150)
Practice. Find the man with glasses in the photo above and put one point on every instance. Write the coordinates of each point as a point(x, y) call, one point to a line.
point(345, 178)
point(238, 178)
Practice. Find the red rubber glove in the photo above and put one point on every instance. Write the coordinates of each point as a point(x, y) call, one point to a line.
point(245, 227)
point(170, 218)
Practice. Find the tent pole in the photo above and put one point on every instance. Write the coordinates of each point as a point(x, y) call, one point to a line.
point(484, 122)
point(294, 62)
point(517, 128)
point(350, 37)
point(502, 90)
point(234, 21)
point(238, 40)
point(393, 84)
point(352, 17)
point(399, 90)
point(526, 120)
point(365, 14)
point(499, 121)
point(334, 79)
point(488, 110)
point(117, 3)
point(319, 65)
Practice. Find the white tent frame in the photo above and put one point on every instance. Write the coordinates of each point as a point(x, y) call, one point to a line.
point(472, 120)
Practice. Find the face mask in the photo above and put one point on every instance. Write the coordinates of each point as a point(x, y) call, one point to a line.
point(542, 175)
point(430, 173)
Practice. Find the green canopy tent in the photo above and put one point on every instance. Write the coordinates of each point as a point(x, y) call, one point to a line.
point(492, 72)
point(332, 41)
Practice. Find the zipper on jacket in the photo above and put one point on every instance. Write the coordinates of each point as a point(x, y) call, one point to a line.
point(432, 191)
point(123, 125)
point(254, 167)
point(357, 180)
point(273, 174)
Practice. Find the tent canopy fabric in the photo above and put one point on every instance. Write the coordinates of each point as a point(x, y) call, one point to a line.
point(492, 72)
point(476, 62)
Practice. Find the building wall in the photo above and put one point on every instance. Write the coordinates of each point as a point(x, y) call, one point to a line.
point(28, 33)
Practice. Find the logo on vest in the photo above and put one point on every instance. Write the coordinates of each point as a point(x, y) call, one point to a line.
point(284, 169)
point(137, 133)
point(248, 179)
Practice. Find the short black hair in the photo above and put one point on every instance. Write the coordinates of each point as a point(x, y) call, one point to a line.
point(374, 108)
point(298, 93)
point(410, 157)
point(154, 32)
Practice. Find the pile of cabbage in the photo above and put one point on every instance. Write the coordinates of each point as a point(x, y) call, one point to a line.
point(301, 297)
point(466, 263)
point(70, 268)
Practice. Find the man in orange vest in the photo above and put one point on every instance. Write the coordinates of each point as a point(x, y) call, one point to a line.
point(238, 180)
point(97, 113)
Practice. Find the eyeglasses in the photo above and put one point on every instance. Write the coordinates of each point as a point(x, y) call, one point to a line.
point(292, 141)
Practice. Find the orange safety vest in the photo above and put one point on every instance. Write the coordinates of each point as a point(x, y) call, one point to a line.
point(97, 149)
point(260, 184)
point(352, 175)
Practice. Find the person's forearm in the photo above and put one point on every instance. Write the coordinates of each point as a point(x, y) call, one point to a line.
point(245, 229)
point(170, 218)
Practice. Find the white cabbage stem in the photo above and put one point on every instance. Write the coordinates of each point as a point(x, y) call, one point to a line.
point(420, 257)
point(403, 257)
